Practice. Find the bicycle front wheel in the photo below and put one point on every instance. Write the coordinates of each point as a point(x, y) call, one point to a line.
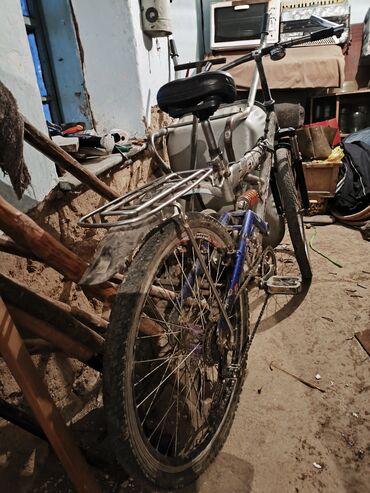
point(292, 209)
point(168, 397)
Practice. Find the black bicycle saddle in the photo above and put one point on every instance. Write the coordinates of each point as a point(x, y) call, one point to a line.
point(190, 95)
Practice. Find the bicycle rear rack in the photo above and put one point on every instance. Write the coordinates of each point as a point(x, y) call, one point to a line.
point(137, 206)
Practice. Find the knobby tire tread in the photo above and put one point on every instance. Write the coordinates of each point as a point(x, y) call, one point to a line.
point(117, 353)
point(290, 201)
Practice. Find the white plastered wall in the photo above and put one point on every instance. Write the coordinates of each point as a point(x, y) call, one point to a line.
point(358, 10)
point(123, 71)
point(17, 73)
point(123, 67)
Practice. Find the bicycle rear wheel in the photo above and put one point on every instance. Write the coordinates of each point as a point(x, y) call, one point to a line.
point(292, 208)
point(168, 398)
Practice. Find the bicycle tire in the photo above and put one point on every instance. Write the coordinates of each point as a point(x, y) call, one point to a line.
point(133, 436)
point(292, 210)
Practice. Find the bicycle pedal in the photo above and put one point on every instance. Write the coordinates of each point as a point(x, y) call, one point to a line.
point(283, 285)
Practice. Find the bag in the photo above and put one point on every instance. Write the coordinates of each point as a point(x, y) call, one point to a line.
point(333, 124)
point(353, 187)
point(313, 142)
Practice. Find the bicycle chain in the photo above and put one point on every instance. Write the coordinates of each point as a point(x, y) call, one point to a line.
point(258, 321)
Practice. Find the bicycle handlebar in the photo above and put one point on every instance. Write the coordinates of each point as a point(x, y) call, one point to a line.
point(334, 30)
point(200, 64)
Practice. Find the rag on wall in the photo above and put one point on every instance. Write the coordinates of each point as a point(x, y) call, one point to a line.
point(11, 142)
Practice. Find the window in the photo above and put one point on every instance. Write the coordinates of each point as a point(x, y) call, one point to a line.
point(36, 39)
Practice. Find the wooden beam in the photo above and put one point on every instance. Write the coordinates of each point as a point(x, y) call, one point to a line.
point(39, 346)
point(52, 312)
point(31, 237)
point(20, 418)
point(44, 144)
point(20, 295)
point(7, 245)
point(90, 319)
point(46, 331)
point(42, 405)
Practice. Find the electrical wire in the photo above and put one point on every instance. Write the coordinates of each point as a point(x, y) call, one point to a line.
point(320, 253)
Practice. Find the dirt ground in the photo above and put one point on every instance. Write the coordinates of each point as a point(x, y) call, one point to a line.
point(287, 437)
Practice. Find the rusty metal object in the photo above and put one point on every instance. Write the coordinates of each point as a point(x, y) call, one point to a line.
point(149, 327)
point(43, 407)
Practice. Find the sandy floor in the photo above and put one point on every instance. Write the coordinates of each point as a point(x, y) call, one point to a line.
point(282, 427)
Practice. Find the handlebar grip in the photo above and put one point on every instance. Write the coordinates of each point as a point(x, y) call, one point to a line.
point(326, 33)
point(217, 61)
point(173, 47)
point(200, 63)
point(185, 66)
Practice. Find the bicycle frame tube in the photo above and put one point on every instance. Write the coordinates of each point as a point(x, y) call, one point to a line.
point(250, 222)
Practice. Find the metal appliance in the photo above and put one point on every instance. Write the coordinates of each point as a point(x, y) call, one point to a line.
point(295, 19)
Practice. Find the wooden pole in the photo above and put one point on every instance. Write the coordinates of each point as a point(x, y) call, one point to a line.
point(30, 236)
point(18, 417)
point(8, 246)
point(43, 407)
point(90, 319)
point(20, 295)
point(39, 346)
point(50, 311)
point(45, 145)
point(42, 329)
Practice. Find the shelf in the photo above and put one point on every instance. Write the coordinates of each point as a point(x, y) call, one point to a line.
point(347, 93)
point(342, 106)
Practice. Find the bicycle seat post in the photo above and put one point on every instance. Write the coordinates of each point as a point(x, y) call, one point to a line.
point(215, 153)
point(209, 135)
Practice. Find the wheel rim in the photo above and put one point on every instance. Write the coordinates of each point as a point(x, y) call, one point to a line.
point(180, 398)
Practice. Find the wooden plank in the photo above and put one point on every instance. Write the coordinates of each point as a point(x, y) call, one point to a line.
point(45, 145)
point(43, 407)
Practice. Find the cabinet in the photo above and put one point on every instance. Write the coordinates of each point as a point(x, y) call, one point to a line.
point(351, 109)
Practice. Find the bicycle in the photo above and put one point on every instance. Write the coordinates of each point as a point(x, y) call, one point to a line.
point(177, 346)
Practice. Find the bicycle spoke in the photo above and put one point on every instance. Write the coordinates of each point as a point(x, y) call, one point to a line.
point(167, 325)
point(151, 372)
point(168, 376)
